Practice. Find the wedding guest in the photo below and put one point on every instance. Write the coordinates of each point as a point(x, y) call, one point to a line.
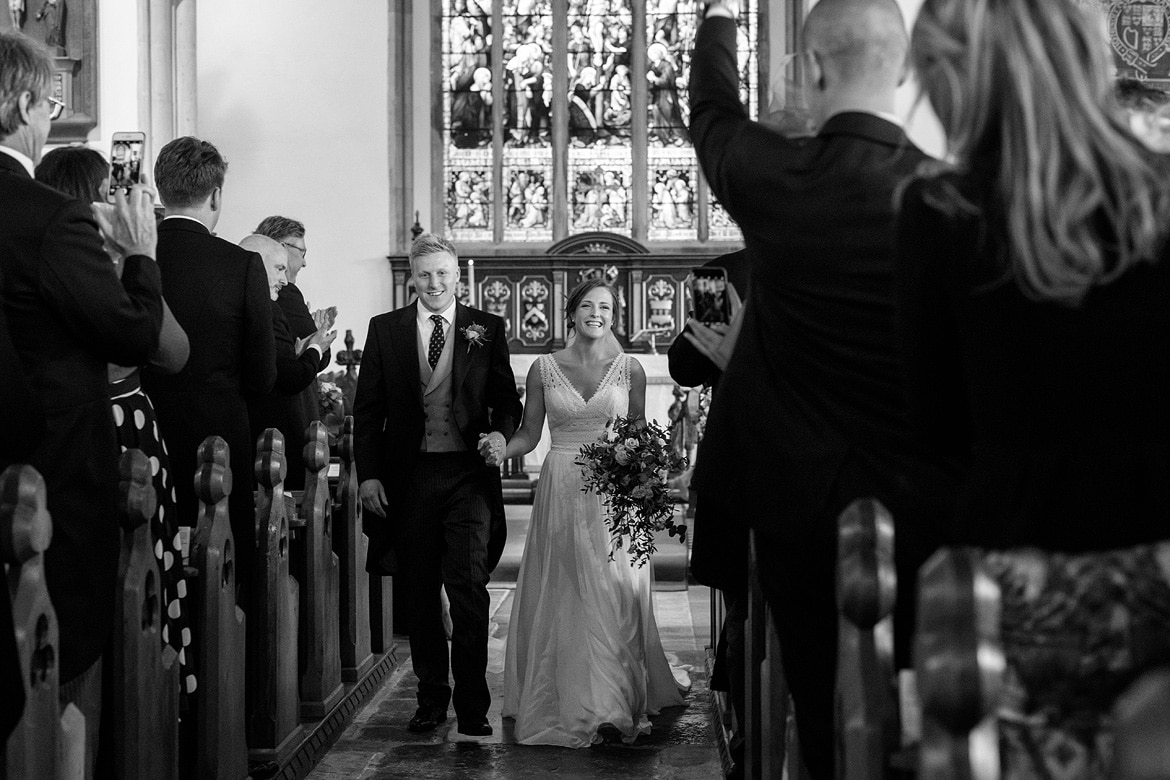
point(83, 174)
point(816, 345)
point(220, 296)
point(296, 413)
point(295, 370)
point(1033, 278)
point(719, 538)
point(69, 315)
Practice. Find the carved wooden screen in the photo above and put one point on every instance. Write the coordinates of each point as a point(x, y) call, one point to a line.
point(562, 117)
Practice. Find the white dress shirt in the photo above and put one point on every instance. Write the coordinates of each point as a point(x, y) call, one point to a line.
point(426, 326)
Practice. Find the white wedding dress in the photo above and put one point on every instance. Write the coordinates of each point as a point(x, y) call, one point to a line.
point(583, 648)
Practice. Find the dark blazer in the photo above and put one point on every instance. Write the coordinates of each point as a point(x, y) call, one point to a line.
point(815, 382)
point(220, 296)
point(718, 537)
point(283, 407)
point(1059, 410)
point(388, 411)
point(69, 316)
point(300, 325)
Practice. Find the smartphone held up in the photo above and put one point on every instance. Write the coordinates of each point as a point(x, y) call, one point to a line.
point(712, 304)
point(127, 151)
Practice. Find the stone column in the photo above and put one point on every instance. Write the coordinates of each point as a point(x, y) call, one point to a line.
point(186, 92)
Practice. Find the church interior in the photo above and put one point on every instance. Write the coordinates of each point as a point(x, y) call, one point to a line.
point(548, 141)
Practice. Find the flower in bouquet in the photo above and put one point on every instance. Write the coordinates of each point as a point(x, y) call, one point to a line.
point(627, 468)
point(331, 402)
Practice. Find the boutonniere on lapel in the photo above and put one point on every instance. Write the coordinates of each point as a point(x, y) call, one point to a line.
point(475, 334)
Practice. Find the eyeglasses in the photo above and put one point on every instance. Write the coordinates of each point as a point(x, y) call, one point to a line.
point(302, 251)
point(56, 107)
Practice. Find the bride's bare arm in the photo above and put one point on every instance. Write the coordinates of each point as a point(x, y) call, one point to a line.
point(528, 436)
point(637, 391)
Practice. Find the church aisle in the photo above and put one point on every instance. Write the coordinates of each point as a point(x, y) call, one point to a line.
point(377, 745)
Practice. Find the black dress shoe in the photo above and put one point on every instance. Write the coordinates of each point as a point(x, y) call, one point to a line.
point(426, 720)
point(474, 731)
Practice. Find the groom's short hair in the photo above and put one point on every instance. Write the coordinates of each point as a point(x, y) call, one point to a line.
point(429, 244)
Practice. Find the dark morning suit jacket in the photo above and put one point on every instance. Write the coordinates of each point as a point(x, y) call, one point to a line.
point(719, 546)
point(69, 316)
point(220, 296)
point(814, 393)
point(283, 407)
point(299, 410)
point(388, 412)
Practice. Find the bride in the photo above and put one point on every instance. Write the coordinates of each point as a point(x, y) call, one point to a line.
point(583, 650)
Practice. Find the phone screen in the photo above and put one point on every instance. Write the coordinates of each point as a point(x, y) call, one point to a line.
point(709, 293)
point(126, 151)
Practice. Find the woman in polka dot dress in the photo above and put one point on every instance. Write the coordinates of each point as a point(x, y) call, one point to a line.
point(83, 172)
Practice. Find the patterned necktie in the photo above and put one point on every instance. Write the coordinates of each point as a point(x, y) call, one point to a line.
point(438, 338)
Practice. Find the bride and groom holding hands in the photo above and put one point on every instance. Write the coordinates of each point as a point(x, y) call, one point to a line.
point(436, 412)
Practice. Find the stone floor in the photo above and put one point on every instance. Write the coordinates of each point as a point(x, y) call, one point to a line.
point(682, 745)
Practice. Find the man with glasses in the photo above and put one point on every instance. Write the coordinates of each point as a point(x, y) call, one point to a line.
point(69, 315)
point(297, 412)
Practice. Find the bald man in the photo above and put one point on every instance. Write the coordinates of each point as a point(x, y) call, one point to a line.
point(809, 413)
point(297, 361)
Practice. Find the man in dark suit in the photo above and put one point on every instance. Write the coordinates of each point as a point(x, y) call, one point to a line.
point(810, 413)
point(219, 294)
point(718, 537)
point(436, 380)
point(280, 408)
point(293, 414)
point(68, 317)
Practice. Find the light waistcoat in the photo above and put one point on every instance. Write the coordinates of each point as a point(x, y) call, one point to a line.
point(440, 433)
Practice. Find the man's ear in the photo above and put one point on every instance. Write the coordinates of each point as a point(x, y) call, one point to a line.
point(24, 105)
point(217, 199)
point(816, 73)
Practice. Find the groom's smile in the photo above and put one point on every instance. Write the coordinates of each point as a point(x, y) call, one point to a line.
point(436, 277)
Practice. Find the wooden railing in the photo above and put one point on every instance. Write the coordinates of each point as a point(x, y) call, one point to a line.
point(270, 684)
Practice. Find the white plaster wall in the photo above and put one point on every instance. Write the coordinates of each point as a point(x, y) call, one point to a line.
point(117, 72)
point(294, 95)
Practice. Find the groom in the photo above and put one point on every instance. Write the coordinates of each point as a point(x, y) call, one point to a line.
point(435, 386)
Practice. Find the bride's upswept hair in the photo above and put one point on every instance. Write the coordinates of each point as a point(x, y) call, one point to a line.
point(578, 293)
point(1023, 91)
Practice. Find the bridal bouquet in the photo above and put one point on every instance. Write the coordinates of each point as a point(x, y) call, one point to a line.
point(628, 468)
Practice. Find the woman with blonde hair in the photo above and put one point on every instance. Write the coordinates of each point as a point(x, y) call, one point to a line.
point(1035, 323)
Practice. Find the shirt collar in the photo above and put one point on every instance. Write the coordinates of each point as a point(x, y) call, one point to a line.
point(891, 118)
point(424, 314)
point(20, 157)
point(184, 216)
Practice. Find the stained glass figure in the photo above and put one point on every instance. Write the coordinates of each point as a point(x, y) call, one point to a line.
point(527, 214)
point(469, 198)
point(600, 199)
point(467, 85)
point(673, 196)
point(528, 74)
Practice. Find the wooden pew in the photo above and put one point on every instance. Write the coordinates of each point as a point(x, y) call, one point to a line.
point(25, 533)
point(320, 654)
point(866, 710)
point(272, 706)
point(221, 750)
point(960, 666)
point(351, 545)
point(145, 674)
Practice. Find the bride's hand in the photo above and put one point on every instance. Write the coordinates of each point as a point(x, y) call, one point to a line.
point(491, 447)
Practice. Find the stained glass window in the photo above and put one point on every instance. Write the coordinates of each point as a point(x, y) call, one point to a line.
point(522, 163)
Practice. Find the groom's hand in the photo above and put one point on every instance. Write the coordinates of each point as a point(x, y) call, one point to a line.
point(373, 497)
point(491, 447)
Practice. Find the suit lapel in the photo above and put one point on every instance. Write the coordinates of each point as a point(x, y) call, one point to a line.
point(404, 337)
point(461, 360)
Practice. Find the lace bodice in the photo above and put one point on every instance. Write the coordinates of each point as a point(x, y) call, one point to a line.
point(573, 420)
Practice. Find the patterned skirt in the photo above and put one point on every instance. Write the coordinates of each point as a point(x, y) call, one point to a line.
point(1076, 631)
point(137, 427)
